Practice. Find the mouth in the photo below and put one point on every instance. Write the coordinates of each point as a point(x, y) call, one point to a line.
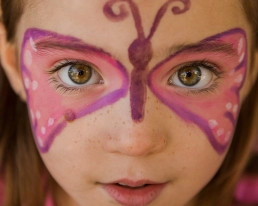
point(134, 193)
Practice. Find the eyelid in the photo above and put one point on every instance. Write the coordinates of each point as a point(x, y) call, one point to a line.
point(67, 62)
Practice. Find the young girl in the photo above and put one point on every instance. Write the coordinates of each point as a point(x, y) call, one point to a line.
point(129, 102)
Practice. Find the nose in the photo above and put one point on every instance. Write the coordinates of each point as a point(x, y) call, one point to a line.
point(137, 139)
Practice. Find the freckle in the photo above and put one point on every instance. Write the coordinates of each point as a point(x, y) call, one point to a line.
point(98, 141)
point(123, 122)
point(157, 108)
point(69, 116)
point(108, 111)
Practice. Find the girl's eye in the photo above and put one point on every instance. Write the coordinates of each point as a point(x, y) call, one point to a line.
point(192, 76)
point(76, 74)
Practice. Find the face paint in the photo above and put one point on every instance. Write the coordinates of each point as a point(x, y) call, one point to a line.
point(50, 107)
point(216, 112)
point(140, 51)
point(51, 110)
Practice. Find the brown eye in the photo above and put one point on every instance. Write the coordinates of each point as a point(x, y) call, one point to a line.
point(80, 73)
point(192, 76)
point(189, 76)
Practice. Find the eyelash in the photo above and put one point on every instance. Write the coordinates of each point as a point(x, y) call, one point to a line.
point(209, 66)
point(59, 86)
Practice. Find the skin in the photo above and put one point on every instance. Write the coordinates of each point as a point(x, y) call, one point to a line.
point(164, 146)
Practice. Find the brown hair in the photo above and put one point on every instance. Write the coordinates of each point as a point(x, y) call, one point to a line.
point(23, 169)
point(21, 166)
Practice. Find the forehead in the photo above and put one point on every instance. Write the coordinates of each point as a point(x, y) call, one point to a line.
point(86, 20)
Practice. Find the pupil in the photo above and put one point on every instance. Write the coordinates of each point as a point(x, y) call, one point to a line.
point(189, 76)
point(79, 73)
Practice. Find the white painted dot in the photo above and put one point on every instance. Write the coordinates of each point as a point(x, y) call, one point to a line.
point(232, 72)
point(239, 78)
point(241, 58)
point(50, 122)
point(32, 44)
point(235, 108)
point(43, 130)
point(213, 123)
point(38, 115)
point(229, 106)
point(240, 45)
point(227, 137)
point(35, 85)
point(28, 58)
point(32, 115)
point(27, 83)
point(40, 141)
point(220, 132)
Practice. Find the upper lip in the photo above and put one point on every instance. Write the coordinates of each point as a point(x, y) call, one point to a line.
point(133, 183)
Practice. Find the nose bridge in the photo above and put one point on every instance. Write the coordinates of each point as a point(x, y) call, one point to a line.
point(138, 138)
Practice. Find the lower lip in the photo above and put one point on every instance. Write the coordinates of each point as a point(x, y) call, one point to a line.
point(134, 196)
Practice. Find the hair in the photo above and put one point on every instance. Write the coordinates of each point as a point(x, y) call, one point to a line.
point(23, 170)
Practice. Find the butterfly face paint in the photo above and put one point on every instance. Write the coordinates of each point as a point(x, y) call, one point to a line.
point(50, 104)
point(54, 101)
point(215, 112)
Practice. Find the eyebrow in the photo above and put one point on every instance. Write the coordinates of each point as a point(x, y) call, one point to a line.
point(215, 46)
point(49, 44)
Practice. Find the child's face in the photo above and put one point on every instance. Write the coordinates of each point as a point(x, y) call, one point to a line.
point(113, 101)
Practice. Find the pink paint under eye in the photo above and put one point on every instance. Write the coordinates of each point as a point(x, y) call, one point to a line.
point(50, 110)
point(214, 113)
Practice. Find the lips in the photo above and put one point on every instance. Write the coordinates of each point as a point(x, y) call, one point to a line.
point(134, 193)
